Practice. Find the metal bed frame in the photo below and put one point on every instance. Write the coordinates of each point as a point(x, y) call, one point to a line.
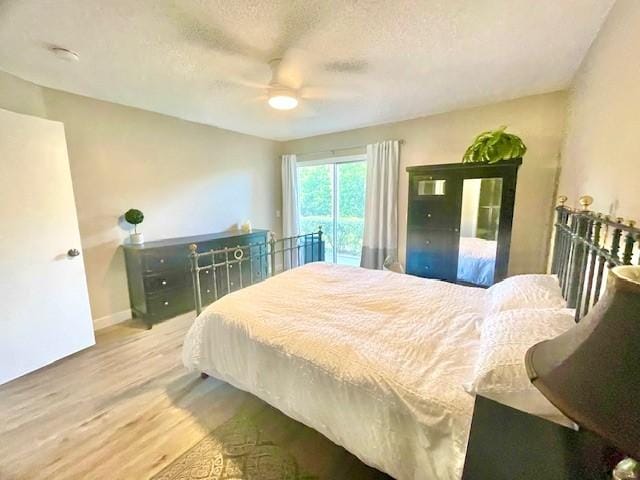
point(586, 244)
point(228, 269)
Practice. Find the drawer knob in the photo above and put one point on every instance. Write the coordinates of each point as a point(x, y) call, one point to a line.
point(206, 271)
point(232, 284)
point(162, 260)
point(426, 267)
point(428, 215)
point(208, 291)
point(230, 266)
point(166, 303)
point(163, 282)
point(427, 242)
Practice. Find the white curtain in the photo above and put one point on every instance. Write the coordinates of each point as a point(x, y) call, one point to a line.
point(290, 208)
point(381, 204)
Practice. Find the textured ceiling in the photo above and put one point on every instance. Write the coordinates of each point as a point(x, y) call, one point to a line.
point(356, 63)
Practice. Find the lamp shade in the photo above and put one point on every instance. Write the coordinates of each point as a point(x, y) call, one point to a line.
point(592, 372)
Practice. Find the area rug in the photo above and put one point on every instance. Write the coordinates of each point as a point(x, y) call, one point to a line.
point(236, 450)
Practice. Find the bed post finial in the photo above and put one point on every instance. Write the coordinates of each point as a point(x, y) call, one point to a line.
point(192, 248)
point(562, 199)
point(586, 201)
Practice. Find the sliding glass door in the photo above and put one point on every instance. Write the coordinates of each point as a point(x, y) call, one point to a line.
point(332, 196)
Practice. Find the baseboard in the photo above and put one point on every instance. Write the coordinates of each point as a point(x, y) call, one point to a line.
point(113, 319)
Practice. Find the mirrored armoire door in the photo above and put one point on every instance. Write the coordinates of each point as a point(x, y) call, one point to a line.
point(459, 221)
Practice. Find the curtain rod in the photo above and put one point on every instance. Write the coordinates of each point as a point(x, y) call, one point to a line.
point(334, 150)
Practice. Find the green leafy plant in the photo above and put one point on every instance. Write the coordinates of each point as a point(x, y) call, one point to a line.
point(134, 217)
point(494, 146)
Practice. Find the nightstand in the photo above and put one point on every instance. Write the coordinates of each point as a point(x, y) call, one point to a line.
point(507, 444)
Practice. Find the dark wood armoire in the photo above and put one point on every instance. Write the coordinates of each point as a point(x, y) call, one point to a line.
point(459, 221)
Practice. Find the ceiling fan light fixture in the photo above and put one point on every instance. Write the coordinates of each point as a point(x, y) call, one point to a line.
point(283, 99)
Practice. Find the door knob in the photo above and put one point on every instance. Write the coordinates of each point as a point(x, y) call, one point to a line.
point(73, 252)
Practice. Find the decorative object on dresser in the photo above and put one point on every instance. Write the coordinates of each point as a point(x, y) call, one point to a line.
point(159, 273)
point(495, 146)
point(459, 221)
point(135, 217)
point(506, 444)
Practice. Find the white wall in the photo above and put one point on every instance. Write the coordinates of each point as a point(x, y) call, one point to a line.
point(187, 178)
point(443, 138)
point(601, 154)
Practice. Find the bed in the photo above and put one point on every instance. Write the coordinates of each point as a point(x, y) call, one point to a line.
point(373, 360)
point(476, 261)
point(381, 362)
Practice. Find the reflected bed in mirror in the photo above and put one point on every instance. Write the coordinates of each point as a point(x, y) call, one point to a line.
point(479, 223)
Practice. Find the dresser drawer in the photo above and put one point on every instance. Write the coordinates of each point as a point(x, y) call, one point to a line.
point(430, 240)
point(167, 280)
point(431, 253)
point(433, 214)
point(429, 265)
point(172, 302)
point(159, 260)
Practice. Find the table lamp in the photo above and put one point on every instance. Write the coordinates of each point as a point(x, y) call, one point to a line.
point(592, 372)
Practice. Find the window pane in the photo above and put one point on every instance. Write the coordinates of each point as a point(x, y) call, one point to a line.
point(316, 202)
point(351, 179)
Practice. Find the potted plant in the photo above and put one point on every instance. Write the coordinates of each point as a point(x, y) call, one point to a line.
point(494, 146)
point(135, 217)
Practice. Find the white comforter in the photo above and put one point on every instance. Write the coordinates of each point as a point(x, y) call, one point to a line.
point(373, 360)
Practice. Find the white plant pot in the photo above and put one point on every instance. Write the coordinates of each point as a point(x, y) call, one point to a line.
point(137, 238)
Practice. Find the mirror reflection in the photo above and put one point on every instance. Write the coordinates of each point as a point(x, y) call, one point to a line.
point(480, 216)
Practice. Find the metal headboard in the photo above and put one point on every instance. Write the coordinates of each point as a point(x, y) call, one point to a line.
point(586, 245)
point(216, 273)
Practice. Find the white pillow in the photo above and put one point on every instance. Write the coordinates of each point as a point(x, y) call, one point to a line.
point(525, 291)
point(499, 371)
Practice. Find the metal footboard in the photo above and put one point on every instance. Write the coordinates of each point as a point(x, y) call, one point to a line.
point(216, 273)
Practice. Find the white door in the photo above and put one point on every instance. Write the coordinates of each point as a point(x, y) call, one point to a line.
point(44, 305)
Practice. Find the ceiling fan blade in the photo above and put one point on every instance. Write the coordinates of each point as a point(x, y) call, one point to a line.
point(356, 66)
point(326, 93)
point(305, 110)
point(212, 36)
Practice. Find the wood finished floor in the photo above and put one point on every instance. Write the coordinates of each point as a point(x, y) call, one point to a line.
point(126, 408)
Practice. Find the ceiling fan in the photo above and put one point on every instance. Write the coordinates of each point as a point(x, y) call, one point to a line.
point(282, 92)
point(281, 97)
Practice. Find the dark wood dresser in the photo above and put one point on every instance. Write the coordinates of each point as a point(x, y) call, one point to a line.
point(159, 273)
point(455, 202)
